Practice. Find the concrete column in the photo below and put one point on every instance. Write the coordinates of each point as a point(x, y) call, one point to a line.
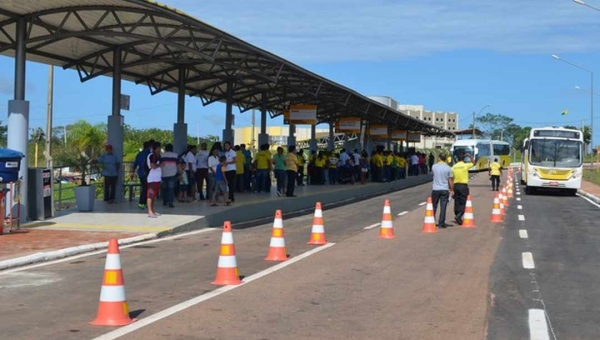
point(292, 135)
point(116, 121)
point(180, 129)
point(313, 138)
point(18, 119)
point(330, 144)
point(263, 137)
point(389, 144)
point(362, 135)
point(228, 131)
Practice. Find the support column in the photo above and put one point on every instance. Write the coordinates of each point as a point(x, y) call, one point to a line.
point(389, 144)
point(263, 137)
point(313, 138)
point(330, 144)
point(362, 135)
point(292, 135)
point(180, 129)
point(228, 131)
point(115, 121)
point(18, 119)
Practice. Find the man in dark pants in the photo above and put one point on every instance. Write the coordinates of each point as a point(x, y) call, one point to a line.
point(291, 169)
point(495, 173)
point(443, 187)
point(230, 170)
point(460, 172)
point(142, 171)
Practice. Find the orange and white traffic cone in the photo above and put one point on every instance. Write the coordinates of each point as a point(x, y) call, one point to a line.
point(113, 309)
point(501, 200)
point(510, 191)
point(387, 226)
point(469, 217)
point(505, 198)
point(317, 236)
point(277, 251)
point(429, 221)
point(496, 214)
point(227, 270)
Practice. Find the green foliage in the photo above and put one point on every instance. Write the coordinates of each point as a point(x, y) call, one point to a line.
point(3, 135)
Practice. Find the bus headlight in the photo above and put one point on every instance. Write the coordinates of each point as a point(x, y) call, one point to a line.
point(533, 172)
point(576, 174)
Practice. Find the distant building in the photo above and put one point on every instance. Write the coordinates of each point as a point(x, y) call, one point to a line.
point(445, 120)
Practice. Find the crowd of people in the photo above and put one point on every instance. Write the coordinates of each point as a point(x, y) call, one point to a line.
point(215, 175)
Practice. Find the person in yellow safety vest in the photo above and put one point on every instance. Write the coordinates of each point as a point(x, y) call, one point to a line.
point(240, 159)
point(449, 160)
point(320, 162)
point(301, 163)
point(495, 173)
point(460, 172)
point(401, 166)
point(389, 160)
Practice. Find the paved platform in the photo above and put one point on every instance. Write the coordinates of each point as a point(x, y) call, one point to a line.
point(43, 240)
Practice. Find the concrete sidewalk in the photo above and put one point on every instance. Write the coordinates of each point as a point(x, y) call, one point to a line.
point(590, 190)
point(74, 233)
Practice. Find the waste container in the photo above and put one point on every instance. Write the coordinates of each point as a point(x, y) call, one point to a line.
point(40, 191)
point(10, 164)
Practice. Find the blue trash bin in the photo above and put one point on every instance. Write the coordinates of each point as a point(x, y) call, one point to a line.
point(10, 164)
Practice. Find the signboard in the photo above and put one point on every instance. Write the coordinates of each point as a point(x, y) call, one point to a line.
point(351, 125)
point(379, 131)
point(125, 100)
point(399, 135)
point(47, 182)
point(300, 114)
point(414, 137)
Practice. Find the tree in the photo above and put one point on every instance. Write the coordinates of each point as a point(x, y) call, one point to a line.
point(520, 136)
point(37, 137)
point(3, 135)
point(491, 123)
point(587, 135)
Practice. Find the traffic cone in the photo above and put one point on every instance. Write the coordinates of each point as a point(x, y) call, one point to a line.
point(317, 236)
point(496, 214)
point(501, 200)
point(505, 198)
point(469, 218)
point(387, 226)
point(510, 191)
point(429, 221)
point(227, 271)
point(277, 250)
point(113, 309)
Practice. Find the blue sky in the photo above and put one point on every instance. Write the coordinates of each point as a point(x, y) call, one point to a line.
point(447, 55)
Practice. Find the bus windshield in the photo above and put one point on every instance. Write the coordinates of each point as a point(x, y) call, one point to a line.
point(555, 153)
point(461, 151)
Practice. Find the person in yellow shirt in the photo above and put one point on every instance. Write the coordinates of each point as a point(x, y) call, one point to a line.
point(460, 172)
point(320, 162)
point(301, 163)
point(495, 173)
point(240, 159)
point(389, 162)
point(291, 170)
point(401, 166)
point(263, 165)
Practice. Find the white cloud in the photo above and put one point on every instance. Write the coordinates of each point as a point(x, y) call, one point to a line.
point(342, 30)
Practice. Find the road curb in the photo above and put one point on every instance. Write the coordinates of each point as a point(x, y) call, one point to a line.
point(589, 196)
point(67, 252)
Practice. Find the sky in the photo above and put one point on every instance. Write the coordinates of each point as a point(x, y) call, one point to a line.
point(454, 55)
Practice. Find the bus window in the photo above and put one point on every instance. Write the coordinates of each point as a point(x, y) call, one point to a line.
point(484, 150)
point(501, 150)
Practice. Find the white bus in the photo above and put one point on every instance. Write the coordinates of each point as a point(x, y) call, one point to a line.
point(483, 152)
point(552, 159)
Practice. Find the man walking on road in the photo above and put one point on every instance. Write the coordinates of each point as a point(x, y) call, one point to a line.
point(443, 187)
point(495, 173)
point(460, 172)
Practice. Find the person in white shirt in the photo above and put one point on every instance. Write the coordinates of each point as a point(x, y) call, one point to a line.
point(169, 161)
point(356, 157)
point(202, 170)
point(190, 169)
point(230, 170)
point(213, 162)
point(154, 177)
point(414, 165)
point(344, 158)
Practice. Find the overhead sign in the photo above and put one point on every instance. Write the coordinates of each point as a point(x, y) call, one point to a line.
point(414, 137)
point(125, 101)
point(351, 125)
point(300, 114)
point(379, 131)
point(399, 135)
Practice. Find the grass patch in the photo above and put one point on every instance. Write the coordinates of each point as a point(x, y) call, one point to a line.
point(595, 177)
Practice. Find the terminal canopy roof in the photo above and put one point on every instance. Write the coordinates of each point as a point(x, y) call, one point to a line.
point(158, 41)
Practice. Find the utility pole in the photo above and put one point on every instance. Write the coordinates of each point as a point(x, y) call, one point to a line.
point(49, 117)
point(65, 133)
point(473, 124)
point(583, 134)
point(502, 135)
point(252, 141)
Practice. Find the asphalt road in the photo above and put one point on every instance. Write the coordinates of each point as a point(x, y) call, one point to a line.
point(561, 283)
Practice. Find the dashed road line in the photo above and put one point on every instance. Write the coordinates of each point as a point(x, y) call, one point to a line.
point(403, 213)
point(372, 226)
point(519, 199)
point(538, 327)
point(422, 204)
point(520, 207)
point(521, 217)
point(201, 298)
point(523, 233)
point(527, 259)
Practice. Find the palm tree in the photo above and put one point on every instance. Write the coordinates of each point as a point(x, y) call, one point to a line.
point(38, 136)
point(85, 143)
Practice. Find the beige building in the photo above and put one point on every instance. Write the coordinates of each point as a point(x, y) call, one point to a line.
point(445, 120)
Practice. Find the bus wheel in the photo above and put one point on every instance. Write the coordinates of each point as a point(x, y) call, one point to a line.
point(522, 182)
point(572, 192)
point(528, 190)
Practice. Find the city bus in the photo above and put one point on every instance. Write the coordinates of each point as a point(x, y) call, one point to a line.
point(552, 159)
point(483, 152)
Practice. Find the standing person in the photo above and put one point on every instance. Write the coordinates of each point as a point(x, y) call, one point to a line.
point(431, 161)
point(333, 168)
point(213, 162)
point(154, 177)
point(357, 168)
point(140, 164)
point(239, 168)
point(414, 165)
point(291, 169)
point(169, 174)
point(183, 182)
point(364, 166)
point(443, 186)
point(279, 164)
point(263, 165)
point(110, 171)
point(230, 170)
point(301, 163)
point(202, 171)
point(495, 173)
point(460, 172)
point(247, 170)
point(190, 167)
point(222, 186)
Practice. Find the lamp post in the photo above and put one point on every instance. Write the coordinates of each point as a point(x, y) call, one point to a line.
point(474, 115)
point(591, 94)
point(583, 3)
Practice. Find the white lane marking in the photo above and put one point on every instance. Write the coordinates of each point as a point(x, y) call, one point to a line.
point(201, 298)
point(372, 226)
point(518, 193)
point(67, 259)
point(521, 217)
point(422, 204)
point(538, 328)
point(523, 233)
point(589, 200)
point(528, 260)
point(520, 207)
point(403, 213)
point(519, 199)
point(28, 280)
